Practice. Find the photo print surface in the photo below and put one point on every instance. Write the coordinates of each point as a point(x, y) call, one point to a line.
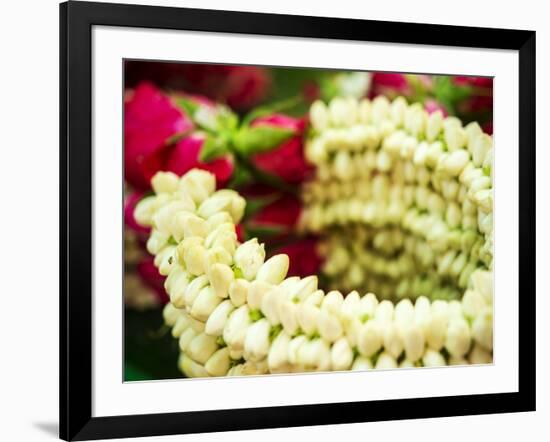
point(291, 220)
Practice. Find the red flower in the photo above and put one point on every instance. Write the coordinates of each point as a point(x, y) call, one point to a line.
point(432, 106)
point(282, 213)
point(184, 156)
point(473, 81)
point(287, 160)
point(241, 87)
point(152, 278)
point(389, 84)
point(150, 119)
point(304, 259)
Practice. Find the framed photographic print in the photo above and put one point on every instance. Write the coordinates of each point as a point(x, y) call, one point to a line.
point(274, 220)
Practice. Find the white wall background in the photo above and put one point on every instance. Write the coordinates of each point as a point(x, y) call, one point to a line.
point(29, 217)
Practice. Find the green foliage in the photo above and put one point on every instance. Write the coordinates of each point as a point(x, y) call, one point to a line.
point(150, 352)
point(250, 140)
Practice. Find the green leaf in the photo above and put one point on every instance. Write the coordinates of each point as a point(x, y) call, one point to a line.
point(216, 119)
point(263, 231)
point(187, 105)
point(272, 108)
point(249, 140)
point(214, 147)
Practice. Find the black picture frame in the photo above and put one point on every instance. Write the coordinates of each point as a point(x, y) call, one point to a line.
point(76, 21)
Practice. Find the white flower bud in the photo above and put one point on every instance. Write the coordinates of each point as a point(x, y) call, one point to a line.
point(434, 125)
point(249, 257)
point(293, 348)
point(144, 211)
point(217, 320)
point(342, 166)
point(405, 363)
point(398, 109)
point(329, 326)
point(256, 293)
point(156, 241)
point(350, 306)
point(367, 307)
point(453, 216)
point(482, 282)
point(217, 220)
point(314, 355)
point(455, 137)
point(165, 260)
point(472, 129)
point(436, 333)
point(433, 358)
point(457, 341)
point(194, 258)
point(303, 288)
point(307, 316)
point(369, 339)
point(217, 255)
point(214, 204)
point(235, 329)
point(361, 363)
point(413, 341)
point(385, 361)
point(380, 109)
point(332, 302)
point(238, 291)
point(484, 199)
point(316, 151)
point(204, 304)
point(164, 182)
point(221, 276)
point(182, 323)
point(478, 147)
point(270, 305)
point(176, 285)
point(314, 299)
point(454, 162)
point(198, 184)
point(219, 363)
point(202, 347)
point(472, 303)
point(274, 270)
point(342, 112)
point(319, 115)
point(454, 360)
point(185, 338)
point(193, 289)
point(384, 312)
point(190, 368)
point(170, 314)
point(364, 111)
point(288, 316)
point(341, 355)
point(256, 343)
point(392, 340)
point(415, 119)
point(277, 358)
point(404, 313)
point(186, 224)
point(482, 329)
point(238, 203)
point(479, 355)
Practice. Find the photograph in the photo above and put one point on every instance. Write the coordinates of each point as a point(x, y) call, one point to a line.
point(282, 220)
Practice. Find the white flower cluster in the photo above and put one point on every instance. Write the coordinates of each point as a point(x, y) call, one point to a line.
point(417, 185)
point(236, 313)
